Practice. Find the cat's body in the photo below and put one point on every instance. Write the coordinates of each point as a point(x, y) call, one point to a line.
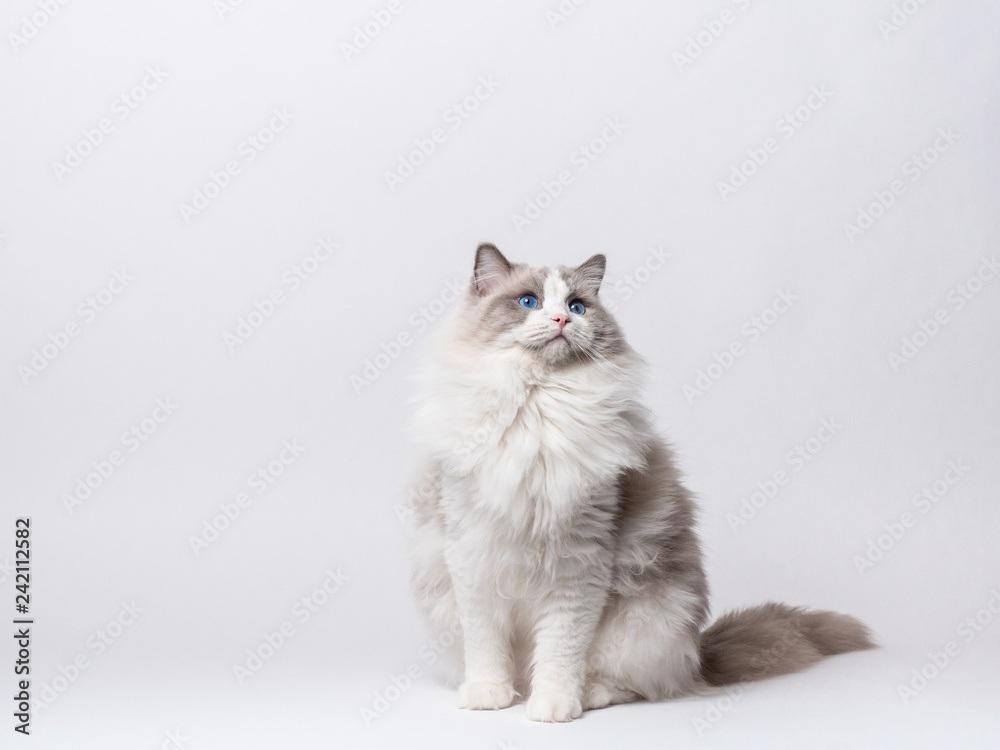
point(553, 537)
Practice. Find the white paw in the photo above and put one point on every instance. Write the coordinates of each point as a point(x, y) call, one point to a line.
point(599, 694)
point(488, 696)
point(551, 706)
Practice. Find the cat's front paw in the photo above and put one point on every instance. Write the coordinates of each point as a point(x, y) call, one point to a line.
point(552, 706)
point(485, 696)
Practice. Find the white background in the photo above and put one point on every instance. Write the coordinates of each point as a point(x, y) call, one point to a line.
point(687, 125)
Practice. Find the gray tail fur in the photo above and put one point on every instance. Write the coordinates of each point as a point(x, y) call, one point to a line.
point(772, 639)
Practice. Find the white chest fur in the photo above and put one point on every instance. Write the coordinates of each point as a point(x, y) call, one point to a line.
point(533, 446)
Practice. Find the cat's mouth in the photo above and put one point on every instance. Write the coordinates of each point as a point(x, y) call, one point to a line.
point(551, 342)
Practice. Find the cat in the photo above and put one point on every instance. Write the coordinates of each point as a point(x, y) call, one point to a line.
point(553, 544)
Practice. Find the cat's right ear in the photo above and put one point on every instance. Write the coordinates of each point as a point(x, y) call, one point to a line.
point(490, 268)
point(591, 272)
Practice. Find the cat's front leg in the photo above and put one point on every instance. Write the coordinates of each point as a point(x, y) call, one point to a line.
point(488, 663)
point(565, 628)
point(485, 621)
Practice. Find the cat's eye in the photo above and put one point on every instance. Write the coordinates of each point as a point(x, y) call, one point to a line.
point(576, 307)
point(528, 300)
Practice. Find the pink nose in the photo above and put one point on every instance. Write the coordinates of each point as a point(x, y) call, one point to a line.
point(561, 319)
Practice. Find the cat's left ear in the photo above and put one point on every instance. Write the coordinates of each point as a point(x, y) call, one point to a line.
point(591, 273)
point(490, 268)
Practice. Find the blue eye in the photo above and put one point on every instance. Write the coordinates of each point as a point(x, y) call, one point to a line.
point(529, 300)
point(577, 308)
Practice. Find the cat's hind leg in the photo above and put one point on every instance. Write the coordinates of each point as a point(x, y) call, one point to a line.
point(435, 596)
point(646, 647)
point(600, 692)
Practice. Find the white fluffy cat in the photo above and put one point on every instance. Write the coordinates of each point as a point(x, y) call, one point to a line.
point(553, 536)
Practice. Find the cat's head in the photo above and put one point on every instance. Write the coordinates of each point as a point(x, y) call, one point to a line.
point(553, 314)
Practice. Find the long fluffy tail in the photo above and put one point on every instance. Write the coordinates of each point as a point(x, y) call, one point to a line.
point(773, 639)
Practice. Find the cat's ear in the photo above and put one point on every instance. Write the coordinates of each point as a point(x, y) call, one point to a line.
point(591, 273)
point(491, 267)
